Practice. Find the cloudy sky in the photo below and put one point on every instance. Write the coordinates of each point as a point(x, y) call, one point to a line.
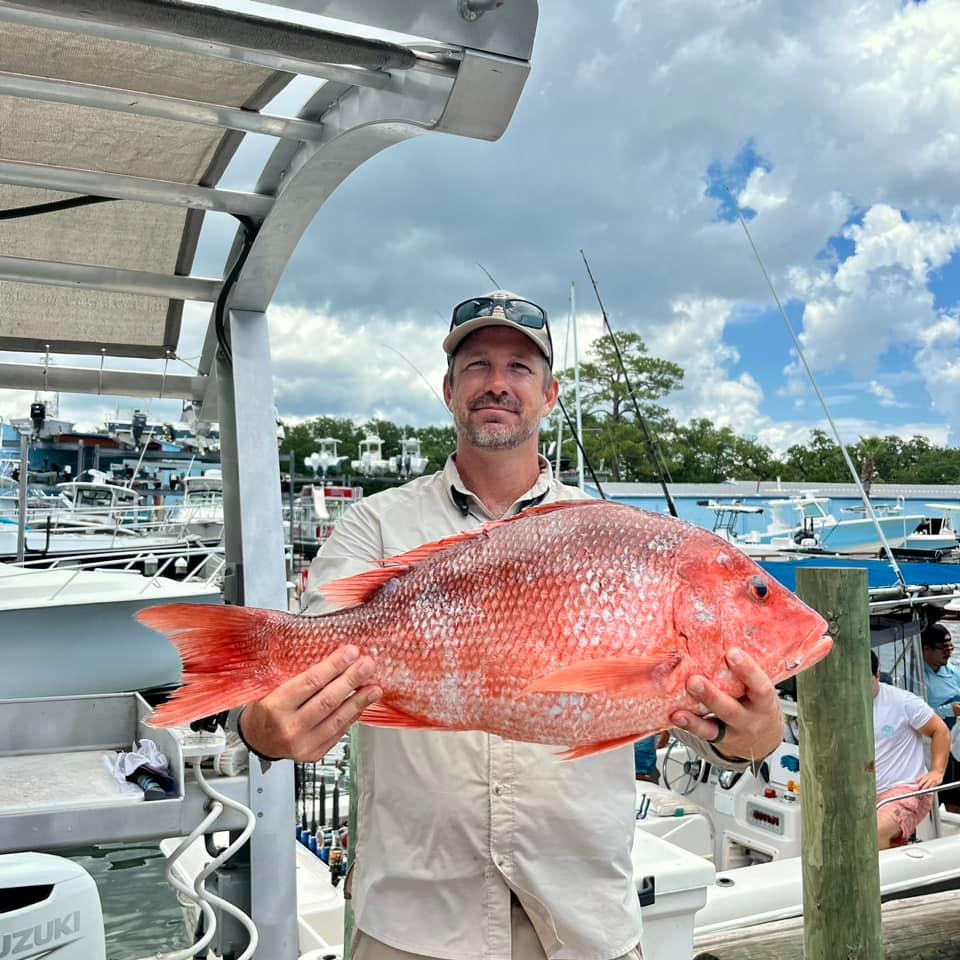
point(833, 124)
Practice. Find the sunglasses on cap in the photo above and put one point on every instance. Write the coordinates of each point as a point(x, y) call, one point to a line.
point(521, 312)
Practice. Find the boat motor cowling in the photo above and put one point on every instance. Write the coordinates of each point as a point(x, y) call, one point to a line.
point(48, 905)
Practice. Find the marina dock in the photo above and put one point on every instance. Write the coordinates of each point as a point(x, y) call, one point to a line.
point(919, 928)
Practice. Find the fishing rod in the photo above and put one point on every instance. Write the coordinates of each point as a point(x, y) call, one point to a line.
point(652, 447)
point(417, 370)
point(823, 403)
point(489, 275)
point(315, 826)
point(583, 453)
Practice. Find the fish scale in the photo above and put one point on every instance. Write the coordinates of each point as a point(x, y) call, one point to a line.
point(574, 623)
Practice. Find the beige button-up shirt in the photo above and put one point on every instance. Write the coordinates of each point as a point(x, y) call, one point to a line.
point(449, 822)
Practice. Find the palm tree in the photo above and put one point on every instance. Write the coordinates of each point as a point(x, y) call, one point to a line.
point(870, 448)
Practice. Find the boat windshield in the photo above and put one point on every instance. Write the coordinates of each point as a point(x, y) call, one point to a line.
point(203, 497)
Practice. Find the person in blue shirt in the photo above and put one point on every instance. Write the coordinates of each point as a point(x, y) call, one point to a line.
point(645, 756)
point(645, 759)
point(942, 685)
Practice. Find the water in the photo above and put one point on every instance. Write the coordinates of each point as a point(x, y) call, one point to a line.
point(140, 911)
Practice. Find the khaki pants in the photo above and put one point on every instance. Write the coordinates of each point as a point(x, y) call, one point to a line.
point(525, 943)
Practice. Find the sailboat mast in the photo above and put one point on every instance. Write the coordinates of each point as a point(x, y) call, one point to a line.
point(576, 383)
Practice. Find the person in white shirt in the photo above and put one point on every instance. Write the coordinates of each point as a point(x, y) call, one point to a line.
point(900, 722)
point(471, 847)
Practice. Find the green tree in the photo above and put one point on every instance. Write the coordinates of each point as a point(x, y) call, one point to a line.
point(704, 453)
point(436, 444)
point(818, 461)
point(867, 451)
point(606, 405)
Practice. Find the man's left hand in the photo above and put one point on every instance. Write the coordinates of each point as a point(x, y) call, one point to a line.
point(752, 726)
point(930, 779)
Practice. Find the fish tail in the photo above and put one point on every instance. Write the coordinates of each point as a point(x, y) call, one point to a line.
point(222, 650)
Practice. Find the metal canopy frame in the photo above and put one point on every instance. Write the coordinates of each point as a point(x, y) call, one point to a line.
point(465, 79)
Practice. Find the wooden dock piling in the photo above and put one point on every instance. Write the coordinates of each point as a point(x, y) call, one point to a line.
point(841, 875)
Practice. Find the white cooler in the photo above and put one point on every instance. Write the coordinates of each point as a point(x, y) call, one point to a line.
point(672, 885)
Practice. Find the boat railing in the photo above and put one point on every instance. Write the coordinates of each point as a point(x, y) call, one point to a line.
point(918, 793)
point(922, 793)
point(208, 570)
point(122, 523)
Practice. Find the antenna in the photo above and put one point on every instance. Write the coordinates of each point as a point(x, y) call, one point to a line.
point(823, 403)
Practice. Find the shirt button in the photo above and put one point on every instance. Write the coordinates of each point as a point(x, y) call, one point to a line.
point(498, 790)
point(499, 861)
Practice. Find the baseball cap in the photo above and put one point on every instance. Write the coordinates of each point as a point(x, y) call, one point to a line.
point(500, 308)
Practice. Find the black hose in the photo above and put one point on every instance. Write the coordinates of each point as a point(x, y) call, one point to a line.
point(230, 281)
point(53, 206)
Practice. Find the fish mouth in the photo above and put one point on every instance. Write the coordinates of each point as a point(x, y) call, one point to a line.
point(812, 649)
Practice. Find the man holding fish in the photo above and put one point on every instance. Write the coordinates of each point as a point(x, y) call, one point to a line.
point(487, 617)
point(473, 846)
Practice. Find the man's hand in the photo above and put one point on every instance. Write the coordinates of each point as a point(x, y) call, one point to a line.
point(955, 706)
point(930, 779)
point(752, 726)
point(304, 717)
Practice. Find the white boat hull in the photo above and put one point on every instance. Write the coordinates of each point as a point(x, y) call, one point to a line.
point(72, 632)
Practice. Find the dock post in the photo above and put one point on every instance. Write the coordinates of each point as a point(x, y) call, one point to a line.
point(841, 872)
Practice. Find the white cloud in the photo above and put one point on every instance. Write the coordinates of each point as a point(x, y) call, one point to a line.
point(359, 367)
point(939, 360)
point(786, 433)
point(763, 191)
point(879, 298)
point(884, 394)
point(693, 338)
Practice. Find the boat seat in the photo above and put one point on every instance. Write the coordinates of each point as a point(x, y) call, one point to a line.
point(676, 818)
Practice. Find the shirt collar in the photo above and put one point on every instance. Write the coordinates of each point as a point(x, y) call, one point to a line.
point(454, 484)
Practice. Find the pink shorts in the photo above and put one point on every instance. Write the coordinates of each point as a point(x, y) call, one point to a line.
point(908, 812)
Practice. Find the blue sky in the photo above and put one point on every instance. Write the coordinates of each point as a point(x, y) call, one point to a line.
point(832, 124)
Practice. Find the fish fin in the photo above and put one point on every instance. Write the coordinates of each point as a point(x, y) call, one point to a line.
point(590, 749)
point(628, 676)
point(222, 649)
point(418, 554)
point(383, 715)
point(352, 591)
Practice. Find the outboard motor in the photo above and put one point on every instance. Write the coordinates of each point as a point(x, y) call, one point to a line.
point(38, 414)
point(48, 906)
point(138, 425)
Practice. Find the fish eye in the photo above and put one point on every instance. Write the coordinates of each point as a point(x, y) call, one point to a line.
point(758, 588)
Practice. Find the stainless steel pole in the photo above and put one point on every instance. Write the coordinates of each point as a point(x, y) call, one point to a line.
point(22, 503)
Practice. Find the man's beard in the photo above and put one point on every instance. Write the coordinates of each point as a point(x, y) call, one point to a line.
point(495, 436)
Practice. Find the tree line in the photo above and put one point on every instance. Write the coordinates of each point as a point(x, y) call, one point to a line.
point(694, 452)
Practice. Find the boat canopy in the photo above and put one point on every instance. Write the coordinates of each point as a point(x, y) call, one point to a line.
point(119, 118)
